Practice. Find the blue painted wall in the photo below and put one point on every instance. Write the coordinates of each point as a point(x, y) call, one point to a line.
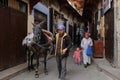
point(40, 7)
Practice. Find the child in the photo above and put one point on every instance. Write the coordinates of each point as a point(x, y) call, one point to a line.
point(77, 54)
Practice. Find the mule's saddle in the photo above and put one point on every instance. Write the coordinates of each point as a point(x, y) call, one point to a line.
point(48, 34)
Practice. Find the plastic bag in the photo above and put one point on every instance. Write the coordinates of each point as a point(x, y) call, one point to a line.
point(89, 51)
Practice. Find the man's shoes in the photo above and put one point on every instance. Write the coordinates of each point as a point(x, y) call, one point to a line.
point(88, 64)
point(65, 71)
point(85, 65)
point(59, 76)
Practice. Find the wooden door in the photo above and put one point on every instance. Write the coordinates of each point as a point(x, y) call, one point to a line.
point(13, 28)
point(109, 35)
point(4, 37)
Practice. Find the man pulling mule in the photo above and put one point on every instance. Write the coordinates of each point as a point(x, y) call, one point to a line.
point(63, 45)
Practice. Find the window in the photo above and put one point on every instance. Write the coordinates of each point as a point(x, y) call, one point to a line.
point(23, 7)
point(40, 17)
point(4, 2)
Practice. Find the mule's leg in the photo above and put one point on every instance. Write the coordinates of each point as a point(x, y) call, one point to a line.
point(28, 57)
point(37, 65)
point(32, 66)
point(45, 63)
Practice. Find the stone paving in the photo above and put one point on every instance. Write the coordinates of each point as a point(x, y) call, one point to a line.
point(74, 72)
point(108, 68)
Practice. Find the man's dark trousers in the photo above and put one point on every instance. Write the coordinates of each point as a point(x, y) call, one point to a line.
point(61, 64)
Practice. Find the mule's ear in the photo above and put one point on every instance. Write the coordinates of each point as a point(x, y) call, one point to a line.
point(42, 22)
point(33, 24)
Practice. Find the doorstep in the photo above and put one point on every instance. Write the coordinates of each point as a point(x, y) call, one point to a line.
point(110, 70)
point(12, 72)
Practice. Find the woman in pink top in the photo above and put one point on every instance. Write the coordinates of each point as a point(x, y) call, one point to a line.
point(77, 54)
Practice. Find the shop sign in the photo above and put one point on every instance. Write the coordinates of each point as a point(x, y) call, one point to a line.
point(106, 5)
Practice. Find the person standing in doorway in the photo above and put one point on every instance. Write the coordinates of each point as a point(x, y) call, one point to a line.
point(86, 41)
point(63, 45)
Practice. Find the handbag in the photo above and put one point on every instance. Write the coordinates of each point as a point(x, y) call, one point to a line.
point(89, 51)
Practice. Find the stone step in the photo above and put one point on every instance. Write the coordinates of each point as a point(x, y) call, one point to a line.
point(11, 72)
point(108, 70)
point(14, 71)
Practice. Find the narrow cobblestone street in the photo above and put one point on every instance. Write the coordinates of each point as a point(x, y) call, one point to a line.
point(74, 72)
point(30, 28)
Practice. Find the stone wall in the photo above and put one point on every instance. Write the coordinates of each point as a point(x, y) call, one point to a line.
point(118, 28)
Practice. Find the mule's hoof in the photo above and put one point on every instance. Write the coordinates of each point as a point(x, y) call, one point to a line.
point(62, 79)
point(46, 72)
point(28, 68)
point(36, 75)
point(32, 67)
point(63, 76)
point(59, 77)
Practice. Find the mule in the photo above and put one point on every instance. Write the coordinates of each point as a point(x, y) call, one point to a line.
point(38, 43)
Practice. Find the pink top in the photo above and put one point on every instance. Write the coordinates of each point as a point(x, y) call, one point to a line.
point(77, 53)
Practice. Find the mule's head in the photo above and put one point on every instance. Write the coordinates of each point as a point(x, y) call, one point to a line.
point(39, 36)
point(37, 32)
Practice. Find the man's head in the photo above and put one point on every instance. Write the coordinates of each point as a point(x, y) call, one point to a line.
point(61, 29)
